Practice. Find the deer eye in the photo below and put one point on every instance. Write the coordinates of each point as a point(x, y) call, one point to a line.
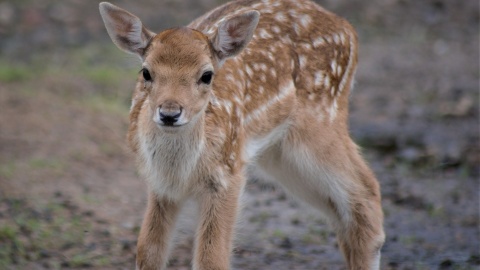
point(206, 77)
point(146, 75)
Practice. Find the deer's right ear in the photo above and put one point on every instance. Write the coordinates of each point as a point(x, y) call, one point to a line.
point(125, 29)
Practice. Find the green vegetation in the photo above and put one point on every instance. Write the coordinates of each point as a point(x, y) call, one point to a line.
point(409, 240)
point(104, 103)
point(436, 211)
point(316, 235)
point(104, 85)
point(105, 76)
point(53, 230)
point(14, 73)
point(261, 217)
point(7, 169)
point(79, 260)
point(279, 234)
point(51, 164)
point(96, 80)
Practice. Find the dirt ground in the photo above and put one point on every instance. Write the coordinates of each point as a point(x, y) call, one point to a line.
point(70, 197)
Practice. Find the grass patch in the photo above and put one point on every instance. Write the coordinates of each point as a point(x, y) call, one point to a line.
point(99, 77)
point(51, 164)
point(316, 235)
point(7, 233)
point(105, 66)
point(102, 261)
point(260, 218)
point(409, 240)
point(7, 169)
point(108, 76)
point(279, 234)
point(54, 232)
point(14, 73)
point(11, 72)
point(436, 211)
point(110, 104)
point(91, 199)
point(80, 260)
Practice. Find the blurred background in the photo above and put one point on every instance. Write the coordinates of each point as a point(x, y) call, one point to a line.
point(70, 197)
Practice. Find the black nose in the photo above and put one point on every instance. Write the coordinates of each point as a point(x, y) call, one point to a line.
point(169, 113)
point(168, 118)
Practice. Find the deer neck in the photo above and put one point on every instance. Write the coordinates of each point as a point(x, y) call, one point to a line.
point(170, 158)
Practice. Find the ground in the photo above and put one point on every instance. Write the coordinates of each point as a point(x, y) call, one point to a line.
point(70, 197)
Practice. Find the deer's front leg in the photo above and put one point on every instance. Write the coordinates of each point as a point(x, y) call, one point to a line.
point(155, 234)
point(219, 208)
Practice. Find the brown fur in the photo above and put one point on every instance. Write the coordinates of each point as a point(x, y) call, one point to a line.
point(281, 103)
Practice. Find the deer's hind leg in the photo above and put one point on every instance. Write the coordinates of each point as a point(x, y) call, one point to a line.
point(326, 170)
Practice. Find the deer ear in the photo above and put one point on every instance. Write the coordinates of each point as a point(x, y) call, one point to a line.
point(125, 29)
point(233, 34)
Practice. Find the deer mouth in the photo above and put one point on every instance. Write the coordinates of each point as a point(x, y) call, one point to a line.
point(170, 126)
point(168, 122)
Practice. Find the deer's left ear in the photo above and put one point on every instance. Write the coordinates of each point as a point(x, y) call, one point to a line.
point(233, 34)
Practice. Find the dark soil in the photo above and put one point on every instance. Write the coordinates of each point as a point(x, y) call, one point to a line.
point(70, 197)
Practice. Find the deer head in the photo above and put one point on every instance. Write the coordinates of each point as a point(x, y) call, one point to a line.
point(178, 64)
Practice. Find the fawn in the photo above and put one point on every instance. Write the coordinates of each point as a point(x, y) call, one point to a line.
point(257, 84)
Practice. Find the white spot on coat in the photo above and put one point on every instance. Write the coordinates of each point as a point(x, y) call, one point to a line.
point(318, 42)
point(284, 92)
point(333, 110)
point(305, 20)
point(280, 17)
point(326, 82)
point(318, 78)
point(333, 66)
point(276, 29)
point(336, 38)
point(302, 59)
point(249, 70)
point(264, 34)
